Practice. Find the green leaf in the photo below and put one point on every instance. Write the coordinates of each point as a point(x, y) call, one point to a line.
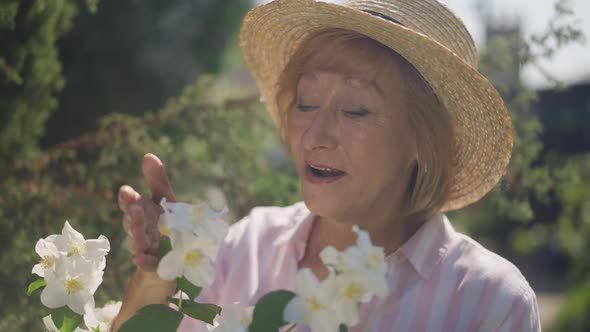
point(268, 312)
point(202, 311)
point(165, 246)
point(343, 328)
point(205, 312)
point(187, 287)
point(65, 319)
point(37, 284)
point(153, 317)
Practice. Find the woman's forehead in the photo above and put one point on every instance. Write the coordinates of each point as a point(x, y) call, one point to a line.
point(351, 81)
point(360, 63)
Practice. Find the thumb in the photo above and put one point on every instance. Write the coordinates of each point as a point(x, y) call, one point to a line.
point(155, 175)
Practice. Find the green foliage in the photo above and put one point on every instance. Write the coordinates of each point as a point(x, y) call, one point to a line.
point(30, 72)
point(268, 312)
point(65, 319)
point(132, 56)
point(154, 317)
point(574, 317)
point(573, 226)
point(207, 145)
point(187, 287)
point(165, 246)
point(508, 209)
point(202, 311)
point(35, 285)
point(209, 142)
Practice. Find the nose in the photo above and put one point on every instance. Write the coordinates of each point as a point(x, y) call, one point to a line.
point(321, 130)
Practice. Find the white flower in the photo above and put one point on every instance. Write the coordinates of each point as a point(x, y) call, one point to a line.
point(190, 256)
point(101, 318)
point(50, 325)
point(315, 304)
point(73, 244)
point(361, 267)
point(49, 254)
point(199, 219)
point(72, 283)
point(235, 319)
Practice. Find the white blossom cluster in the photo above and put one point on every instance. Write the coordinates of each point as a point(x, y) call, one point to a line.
point(98, 319)
point(356, 275)
point(196, 232)
point(73, 268)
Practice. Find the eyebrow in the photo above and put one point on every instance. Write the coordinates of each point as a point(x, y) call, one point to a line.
point(351, 80)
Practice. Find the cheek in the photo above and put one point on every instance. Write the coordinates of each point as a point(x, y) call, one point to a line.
point(376, 148)
point(294, 131)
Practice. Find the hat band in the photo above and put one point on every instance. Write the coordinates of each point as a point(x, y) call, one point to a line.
point(383, 16)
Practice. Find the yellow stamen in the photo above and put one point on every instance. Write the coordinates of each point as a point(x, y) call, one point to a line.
point(74, 250)
point(315, 305)
point(73, 286)
point(353, 291)
point(47, 262)
point(164, 230)
point(192, 258)
point(375, 259)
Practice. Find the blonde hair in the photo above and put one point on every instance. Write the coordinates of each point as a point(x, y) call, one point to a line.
point(429, 185)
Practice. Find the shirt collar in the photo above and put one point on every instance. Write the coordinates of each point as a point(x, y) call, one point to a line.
point(299, 227)
point(424, 250)
point(428, 246)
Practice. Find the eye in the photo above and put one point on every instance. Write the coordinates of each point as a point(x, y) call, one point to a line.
point(356, 112)
point(301, 106)
point(305, 108)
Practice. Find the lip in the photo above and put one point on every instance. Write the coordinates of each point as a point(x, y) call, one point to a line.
point(309, 177)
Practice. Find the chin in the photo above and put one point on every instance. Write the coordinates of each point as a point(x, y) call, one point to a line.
point(327, 207)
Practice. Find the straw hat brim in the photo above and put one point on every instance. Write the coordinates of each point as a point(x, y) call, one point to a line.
point(271, 33)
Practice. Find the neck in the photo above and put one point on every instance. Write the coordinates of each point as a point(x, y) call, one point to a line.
point(389, 231)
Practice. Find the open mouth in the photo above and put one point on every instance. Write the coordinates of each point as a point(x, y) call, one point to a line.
point(324, 172)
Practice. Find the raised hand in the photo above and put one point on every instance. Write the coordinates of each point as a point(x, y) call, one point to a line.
point(141, 213)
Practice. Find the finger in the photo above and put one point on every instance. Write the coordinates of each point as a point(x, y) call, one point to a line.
point(151, 214)
point(137, 241)
point(134, 214)
point(127, 222)
point(155, 175)
point(148, 263)
point(127, 196)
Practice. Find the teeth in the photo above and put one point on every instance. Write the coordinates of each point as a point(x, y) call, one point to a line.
point(323, 169)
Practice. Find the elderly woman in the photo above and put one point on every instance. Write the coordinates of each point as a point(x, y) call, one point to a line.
point(389, 125)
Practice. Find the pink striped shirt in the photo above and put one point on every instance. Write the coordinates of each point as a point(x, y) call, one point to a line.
point(440, 280)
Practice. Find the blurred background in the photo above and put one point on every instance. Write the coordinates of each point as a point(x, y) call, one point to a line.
point(88, 87)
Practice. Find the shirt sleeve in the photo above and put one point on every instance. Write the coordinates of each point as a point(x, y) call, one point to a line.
point(523, 316)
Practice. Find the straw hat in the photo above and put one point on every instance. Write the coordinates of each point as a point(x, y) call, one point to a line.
point(431, 37)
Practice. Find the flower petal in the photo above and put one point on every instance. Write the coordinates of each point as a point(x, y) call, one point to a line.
point(39, 270)
point(295, 310)
point(77, 302)
point(201, 275)
point(97, 248)
point(331, 256)
point(49, 324)
point(46, 248)
point(71, 233)
point(171, 265)
point(54, 296)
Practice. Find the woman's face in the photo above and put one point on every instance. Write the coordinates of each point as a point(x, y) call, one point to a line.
point(351, 141)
